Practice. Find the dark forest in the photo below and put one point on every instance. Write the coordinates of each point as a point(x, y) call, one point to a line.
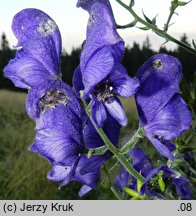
point(133, 58)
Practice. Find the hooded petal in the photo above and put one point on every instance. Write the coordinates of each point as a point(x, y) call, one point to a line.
point(39, 58)
point(124, 85)
point(172, 120)
point(86, 5)
point(115, 109)
point(39, 36)
point(98, 67)
point(159, 80)
point(101, 32)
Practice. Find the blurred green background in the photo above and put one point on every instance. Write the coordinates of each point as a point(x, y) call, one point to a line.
point(23, 173)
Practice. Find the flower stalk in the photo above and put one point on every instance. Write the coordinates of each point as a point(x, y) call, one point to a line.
point(121, 158)
point(133, 141)
point(155, 29)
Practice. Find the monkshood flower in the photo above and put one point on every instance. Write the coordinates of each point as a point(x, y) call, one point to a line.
point(181, 184)
point(143, 164)
point(60, 118)
point(40, 46)
point(162, 112)
point(63, 132)
point(100, 73)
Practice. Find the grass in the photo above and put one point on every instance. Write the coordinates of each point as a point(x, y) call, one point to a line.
point(23, 173)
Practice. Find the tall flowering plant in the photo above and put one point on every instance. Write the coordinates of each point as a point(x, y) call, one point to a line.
point(78, 129)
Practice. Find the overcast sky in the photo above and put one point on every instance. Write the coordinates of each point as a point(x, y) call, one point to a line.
point(72, 21)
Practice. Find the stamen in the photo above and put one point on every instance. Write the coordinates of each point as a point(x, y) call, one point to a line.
point(104, 91)
point(51, 99)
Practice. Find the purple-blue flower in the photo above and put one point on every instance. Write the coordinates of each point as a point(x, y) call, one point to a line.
point(144, 165)
point(100, 73)
point(39, 43)
point(141, 163)
point(180, 183)
point(63, 132)
point(162, 112)
point(62, 127)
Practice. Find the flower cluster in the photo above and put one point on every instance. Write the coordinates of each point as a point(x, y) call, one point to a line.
point(163, 113)
point(64, 132)
point(144, 165)
point(100, 74)
point(62, 128)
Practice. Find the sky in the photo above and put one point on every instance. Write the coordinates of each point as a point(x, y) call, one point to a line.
point(72, 21)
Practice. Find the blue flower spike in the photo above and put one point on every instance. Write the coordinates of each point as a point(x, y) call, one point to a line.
point(162, 112)
point(100, 73)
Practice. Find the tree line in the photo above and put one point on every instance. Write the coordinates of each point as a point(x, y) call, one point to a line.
point(134, 57)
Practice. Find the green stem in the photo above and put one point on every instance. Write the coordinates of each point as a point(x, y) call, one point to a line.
point(122, 159)
point(132, 142)
point(113, 167)
point(172, 10)
point(113, 189)
point(115, 192)
point(158, 31)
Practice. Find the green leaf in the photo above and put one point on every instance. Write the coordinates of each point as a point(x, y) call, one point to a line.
point(139, 185)
point(132, 3)
point(129, 25)
point(146, 18)
point(194, 44)
point(131, 192)
point(164, 43)
point(90, 152)
point(177, 3)
point(97, 151)
point(161, 184)
point(144, 28)
point(181, 3)
point(133, 23)
point(154, 20)
point(139, 198)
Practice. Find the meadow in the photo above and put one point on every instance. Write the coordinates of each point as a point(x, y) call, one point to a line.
point(23, 173)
